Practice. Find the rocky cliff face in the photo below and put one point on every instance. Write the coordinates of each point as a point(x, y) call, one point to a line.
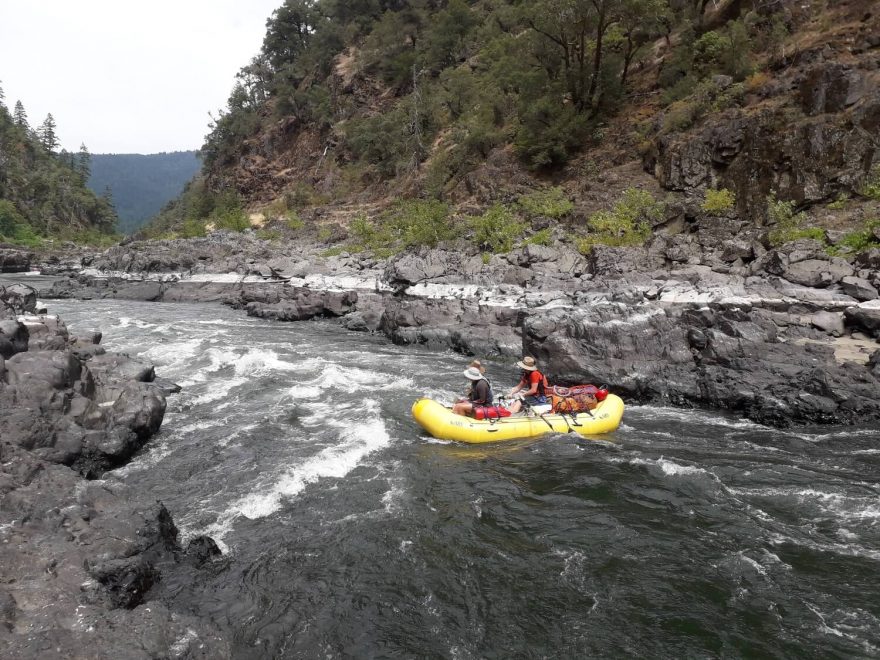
point(78, 557)
point(813, 142)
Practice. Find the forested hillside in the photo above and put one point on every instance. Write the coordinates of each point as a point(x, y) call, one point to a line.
point(384, 124)
point(43, 192)
point(141, 184)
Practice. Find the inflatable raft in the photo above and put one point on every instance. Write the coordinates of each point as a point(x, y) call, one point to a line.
point(440, 422)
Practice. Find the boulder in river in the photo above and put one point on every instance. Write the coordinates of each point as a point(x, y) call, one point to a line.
point(14, 261)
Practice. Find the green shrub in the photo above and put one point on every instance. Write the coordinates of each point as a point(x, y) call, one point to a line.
point(628, 223)
point(709, 51)
point(702, 97)
point(334, 251)
point(419, 222)
point(871, 186)
point(857, 241)
point(193, 228)
point(542, 237)
point(549, 203)
point(270, 235)
point(298, 196)
point(718, 202)
point(15, 229)
point(789, 225)
point(497, 229)
point(840, 203)
point(549, 133)
point(91, 237)
point(680, 116)
point(293, 221)
point(230, 219)
point(10, 218)
point(325, 234)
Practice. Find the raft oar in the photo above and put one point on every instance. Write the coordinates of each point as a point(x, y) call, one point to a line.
point(546, 421)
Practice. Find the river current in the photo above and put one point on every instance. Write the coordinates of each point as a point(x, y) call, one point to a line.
point(348, 533)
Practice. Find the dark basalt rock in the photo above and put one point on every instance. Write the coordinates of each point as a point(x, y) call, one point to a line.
point(830, 87)
point(858, 288)
point(18, 299)
point(201, 550)
point(14, 338)
point(809, 161)
point(82, 555)
point(732, 360)
point(297, 304)
point(866, 318)
point(14, 261)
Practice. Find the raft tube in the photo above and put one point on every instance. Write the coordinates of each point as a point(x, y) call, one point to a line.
point(441, 422)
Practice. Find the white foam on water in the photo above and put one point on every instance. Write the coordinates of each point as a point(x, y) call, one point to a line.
point(751, 562)
point(671, 468)
point(848, 624)
point(843, 549)
point(335, 462)
point(393, 497)
point(348, 379)
point(850, 508)
point(693, 416)
point(174, 353)
point(235, 435)
point(200, 425)
point(153, 456)
point(841, 434)
point(435, 441)
point(218, 390)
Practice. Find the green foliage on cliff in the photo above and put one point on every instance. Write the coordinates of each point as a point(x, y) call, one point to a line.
point(497, 230)
point(627, 224)
point(43, 194)
point(369, 99)
point(549, 203)
point(857, 241)
point(462, 78)
point(789, 224)
point(718, 202)
point(871, 186)
point(408, 224)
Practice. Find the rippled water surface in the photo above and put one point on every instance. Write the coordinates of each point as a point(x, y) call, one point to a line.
point(350, 534)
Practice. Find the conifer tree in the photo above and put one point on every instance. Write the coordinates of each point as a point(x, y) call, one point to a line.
point(2, 96)
point(84, 162)
point(47, 133)
point(19, 115)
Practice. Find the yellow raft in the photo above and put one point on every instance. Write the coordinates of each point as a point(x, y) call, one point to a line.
point(440, 422)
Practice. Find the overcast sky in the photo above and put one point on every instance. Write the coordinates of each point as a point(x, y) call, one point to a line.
point(127, 76)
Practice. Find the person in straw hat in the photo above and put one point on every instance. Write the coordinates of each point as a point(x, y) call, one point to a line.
point(532, 386)
point(479, 392)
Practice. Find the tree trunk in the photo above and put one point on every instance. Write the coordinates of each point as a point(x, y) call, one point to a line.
point(627, 59)
point(597, 56)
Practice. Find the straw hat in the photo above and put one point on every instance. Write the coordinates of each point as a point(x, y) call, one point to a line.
point(527, 363)
point(472, 373)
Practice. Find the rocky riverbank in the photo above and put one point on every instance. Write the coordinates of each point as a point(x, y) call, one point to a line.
point(79, 557)
point(783, 337)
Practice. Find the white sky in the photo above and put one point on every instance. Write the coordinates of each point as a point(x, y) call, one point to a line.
point(127, 76)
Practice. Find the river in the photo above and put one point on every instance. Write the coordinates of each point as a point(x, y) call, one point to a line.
point(350, 534)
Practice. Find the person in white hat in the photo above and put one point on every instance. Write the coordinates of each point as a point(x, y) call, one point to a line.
point(532, 386)
point(479, 392)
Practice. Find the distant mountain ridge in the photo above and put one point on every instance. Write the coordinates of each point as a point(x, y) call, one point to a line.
point(141, 184)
